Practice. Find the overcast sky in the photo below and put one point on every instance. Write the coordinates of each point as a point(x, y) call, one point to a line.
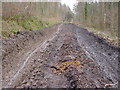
point(69, 3)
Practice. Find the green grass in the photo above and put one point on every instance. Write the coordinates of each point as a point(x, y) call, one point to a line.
point(4, 34)
point(13, 24)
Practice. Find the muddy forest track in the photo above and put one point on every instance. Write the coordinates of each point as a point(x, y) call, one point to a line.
point(69, 57)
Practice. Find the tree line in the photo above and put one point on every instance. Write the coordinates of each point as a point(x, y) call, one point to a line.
point(98, 15)
point(48, 10)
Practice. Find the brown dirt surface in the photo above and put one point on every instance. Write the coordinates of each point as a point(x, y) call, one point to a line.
point(62, 56)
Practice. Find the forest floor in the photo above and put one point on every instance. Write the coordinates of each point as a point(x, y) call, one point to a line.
point(61, 56)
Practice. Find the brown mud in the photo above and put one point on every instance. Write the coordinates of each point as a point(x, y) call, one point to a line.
point(62, 56)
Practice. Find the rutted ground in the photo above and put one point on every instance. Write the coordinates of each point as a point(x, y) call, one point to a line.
point(68, 60)
point(16, 49)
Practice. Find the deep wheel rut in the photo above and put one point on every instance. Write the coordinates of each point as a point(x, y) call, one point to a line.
point(68, 60)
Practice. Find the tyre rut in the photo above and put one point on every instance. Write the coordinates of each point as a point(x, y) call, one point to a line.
point(62, 63)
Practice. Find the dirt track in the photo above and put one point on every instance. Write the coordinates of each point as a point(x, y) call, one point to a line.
point(62, 56)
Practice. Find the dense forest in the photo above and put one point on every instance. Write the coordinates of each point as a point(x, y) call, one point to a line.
point(32, 15)
point(40, 9)
point(102, 16)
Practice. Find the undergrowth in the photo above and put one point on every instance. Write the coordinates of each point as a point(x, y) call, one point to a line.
point(12, 25)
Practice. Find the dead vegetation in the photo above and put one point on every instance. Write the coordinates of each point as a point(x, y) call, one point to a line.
point(64, 66)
